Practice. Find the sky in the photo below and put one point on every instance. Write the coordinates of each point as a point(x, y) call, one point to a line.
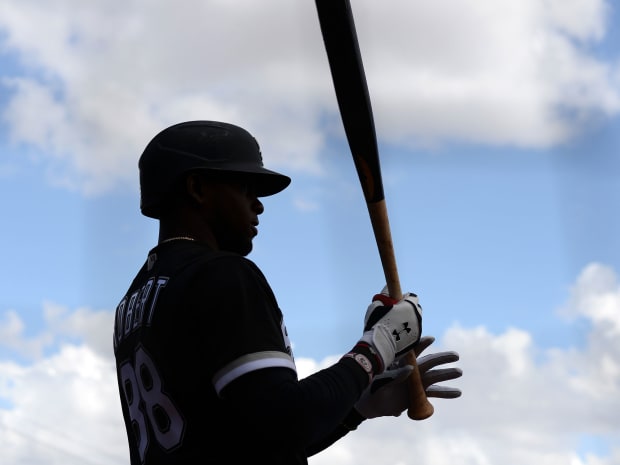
point(498, 125)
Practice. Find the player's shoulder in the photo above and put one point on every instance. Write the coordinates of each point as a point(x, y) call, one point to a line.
point(224, 259)
point(227, 263)
point(222, 265)
point(197, 261)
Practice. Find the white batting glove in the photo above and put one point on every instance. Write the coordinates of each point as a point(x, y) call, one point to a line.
point(388, 394)
point(392, 328)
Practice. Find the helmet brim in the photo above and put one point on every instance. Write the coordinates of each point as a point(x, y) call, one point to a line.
point(264, 182)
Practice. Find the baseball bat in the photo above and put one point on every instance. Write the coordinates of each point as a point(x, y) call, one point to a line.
point(345, 62)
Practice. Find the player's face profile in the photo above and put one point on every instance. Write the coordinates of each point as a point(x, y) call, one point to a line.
point(236, 212)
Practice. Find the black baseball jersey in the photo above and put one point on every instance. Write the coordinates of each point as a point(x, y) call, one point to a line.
point(205, 368)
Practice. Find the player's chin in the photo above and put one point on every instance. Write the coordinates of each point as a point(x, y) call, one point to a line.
point(246, 250)
point(242, 247)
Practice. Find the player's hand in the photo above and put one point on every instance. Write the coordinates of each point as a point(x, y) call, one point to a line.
point(430, 376)
point(388, 394)
point(392, 327)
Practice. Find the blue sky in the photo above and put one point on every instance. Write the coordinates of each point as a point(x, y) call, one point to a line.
point(498, 125)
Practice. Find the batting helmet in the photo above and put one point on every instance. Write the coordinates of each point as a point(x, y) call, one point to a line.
point(210, 146)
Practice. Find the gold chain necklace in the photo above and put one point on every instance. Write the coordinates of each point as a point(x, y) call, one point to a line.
point(178, 238)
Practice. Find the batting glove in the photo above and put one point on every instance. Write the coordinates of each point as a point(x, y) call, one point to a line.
point(432, 376)
point(388, 394)
point(392, 327)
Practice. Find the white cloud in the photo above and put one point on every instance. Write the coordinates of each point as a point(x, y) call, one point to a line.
point(594, 297)
point(84, 324)
point(520, 404)
point(90, 326)
point(100, 81)
point(64, 411)
point(12, 336)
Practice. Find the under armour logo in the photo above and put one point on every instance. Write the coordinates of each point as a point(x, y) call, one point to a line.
point(406, 329)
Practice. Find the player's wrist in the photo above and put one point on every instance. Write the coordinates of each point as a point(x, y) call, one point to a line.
point(365, 356)
point(353, 419)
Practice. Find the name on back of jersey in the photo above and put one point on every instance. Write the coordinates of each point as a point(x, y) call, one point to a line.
point(136, 309)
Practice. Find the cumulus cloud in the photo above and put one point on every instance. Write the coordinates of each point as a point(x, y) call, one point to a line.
point(62, 409)
point(12, 336)
point(520, 404)
point(497, 72)
point(84, 324)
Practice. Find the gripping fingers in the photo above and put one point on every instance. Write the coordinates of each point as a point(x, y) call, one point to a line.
point(431, 376)
point(443, 392)
point(423, 344)
point(432, 360)
point(439, 375)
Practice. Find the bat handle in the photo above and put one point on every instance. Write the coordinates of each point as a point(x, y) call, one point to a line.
point(419, 406)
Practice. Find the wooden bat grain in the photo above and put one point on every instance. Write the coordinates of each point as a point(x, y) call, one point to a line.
point(349, 78)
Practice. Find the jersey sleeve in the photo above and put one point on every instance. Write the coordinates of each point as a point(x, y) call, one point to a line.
point(243, 324)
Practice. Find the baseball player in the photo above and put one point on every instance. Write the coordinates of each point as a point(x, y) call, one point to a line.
point(204, 363)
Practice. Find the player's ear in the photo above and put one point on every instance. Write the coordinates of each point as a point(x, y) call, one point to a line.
point(195, 189)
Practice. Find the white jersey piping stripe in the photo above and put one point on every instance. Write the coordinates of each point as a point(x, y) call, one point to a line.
point(249, 363)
